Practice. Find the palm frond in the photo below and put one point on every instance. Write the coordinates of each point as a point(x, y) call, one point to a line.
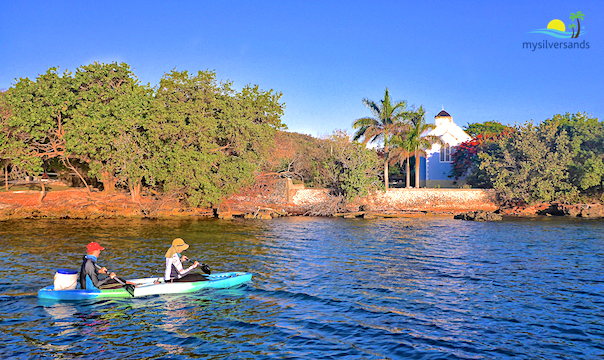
point(362, 122)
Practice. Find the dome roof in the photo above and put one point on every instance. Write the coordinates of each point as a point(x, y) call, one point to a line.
point(443, 113)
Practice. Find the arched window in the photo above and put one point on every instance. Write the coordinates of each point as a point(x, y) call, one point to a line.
point(445, 153)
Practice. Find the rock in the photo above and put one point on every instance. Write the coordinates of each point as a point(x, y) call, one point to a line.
point(569, 210)
point(479, 215)
point(364, 207)
point(594, 211)
point(368, 216)
point(225, 215)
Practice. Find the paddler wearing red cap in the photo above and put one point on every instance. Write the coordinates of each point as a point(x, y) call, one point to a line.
point(89, 275)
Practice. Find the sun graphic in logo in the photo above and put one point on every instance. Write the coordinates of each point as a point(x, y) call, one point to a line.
point(557, 28)
point(556, 25)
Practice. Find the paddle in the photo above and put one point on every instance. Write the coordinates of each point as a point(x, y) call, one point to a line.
point(129, 287)
point(205, 268)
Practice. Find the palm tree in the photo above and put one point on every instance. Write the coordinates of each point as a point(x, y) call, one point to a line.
point(573, 26)
point(387, 120)
point(420, 138)
point(577, 16)
point(401, 151)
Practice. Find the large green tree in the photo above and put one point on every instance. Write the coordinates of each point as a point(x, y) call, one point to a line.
point(38, 126)
point(531, 165)
point(587, 148)
point(109, 124)
point(387, 120)
point(211, 138)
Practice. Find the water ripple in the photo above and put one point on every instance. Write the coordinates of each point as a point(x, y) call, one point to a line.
point(323, 289)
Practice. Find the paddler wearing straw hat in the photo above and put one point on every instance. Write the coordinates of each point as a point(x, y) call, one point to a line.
point(174, 269)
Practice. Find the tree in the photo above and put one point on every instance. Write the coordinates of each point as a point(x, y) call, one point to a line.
point(420, 139)
point(5, 113)
point(587, 148)
point(108, 129)
point(210, 138)
point(351, 170)
point(488, 128)
point(531, 165)
point(573, 26)
point(37, 127)
point(577, 16)
point(387, 121)
point(401, 151)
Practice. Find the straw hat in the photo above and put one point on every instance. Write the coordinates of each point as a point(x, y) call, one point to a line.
point(177, 246)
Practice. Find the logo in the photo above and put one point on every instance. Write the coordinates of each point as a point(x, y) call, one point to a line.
point(558, 29)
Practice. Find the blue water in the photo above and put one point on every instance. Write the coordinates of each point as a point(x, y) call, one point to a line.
point(418, 288)
point(557, 33)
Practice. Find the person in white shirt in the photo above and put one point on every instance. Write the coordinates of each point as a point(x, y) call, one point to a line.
point(174, 259)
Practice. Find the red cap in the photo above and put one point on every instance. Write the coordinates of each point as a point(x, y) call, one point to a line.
point(94, 246)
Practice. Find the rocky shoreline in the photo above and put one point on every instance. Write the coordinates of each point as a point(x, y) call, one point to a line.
point(77, 204)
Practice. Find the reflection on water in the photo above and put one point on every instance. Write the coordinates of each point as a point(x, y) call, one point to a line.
point(322, 288)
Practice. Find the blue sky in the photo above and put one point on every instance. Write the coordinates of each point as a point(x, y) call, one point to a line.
point(326, 56)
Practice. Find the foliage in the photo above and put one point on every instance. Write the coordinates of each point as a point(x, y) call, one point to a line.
point(587, 148)
point(561, 159)
point(389, 119)
point(351, 170)
point(210, 138)
point(420, 138)
point(35, 129)
point(465, 157)
point(531, 165)
point(108, 126)
point(190, 135)
point(298, 156)
point(486, 129)
point(401, 152)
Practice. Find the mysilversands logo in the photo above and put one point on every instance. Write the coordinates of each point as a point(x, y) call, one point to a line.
point(556, 28)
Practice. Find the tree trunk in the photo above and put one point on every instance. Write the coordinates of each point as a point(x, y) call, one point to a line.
point(416, 170)
point(6, 176)
point(578, 29)
point(108, 181)
point(42, 193)
point(386, 166)
point(67, 163)
point(135, 191)
point(407, 173)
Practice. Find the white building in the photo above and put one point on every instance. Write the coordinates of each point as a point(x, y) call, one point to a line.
point(436, 168)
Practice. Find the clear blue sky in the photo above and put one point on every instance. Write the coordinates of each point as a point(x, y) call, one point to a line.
point(326, 56)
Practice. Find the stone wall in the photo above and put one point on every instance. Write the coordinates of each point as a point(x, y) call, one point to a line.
point(413, 199)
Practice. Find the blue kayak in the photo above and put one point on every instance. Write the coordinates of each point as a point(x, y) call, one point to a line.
point(149, 286)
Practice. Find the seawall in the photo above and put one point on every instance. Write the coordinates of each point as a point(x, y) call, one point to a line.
point(393, 200)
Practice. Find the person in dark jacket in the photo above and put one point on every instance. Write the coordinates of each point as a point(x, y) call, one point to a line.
point(89, 274)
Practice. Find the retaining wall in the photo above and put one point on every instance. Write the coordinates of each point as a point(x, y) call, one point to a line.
point(413, 199)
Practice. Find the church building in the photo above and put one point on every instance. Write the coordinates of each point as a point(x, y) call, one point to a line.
point(436, 167)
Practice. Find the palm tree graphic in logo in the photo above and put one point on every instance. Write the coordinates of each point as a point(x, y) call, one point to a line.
point(556, 28)
point(577, 16)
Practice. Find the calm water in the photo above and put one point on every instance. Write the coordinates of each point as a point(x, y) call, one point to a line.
point(323, 289)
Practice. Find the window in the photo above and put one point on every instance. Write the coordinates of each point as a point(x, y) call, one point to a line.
point(445, 153)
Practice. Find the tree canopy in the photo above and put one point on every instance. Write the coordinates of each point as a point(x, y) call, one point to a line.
point(559, 159)
point(191, 135)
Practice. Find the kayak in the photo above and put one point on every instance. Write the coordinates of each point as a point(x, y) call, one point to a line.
point(149, 286)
